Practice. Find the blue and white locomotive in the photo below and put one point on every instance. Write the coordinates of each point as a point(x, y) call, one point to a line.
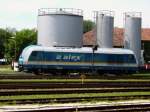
point(36, 59)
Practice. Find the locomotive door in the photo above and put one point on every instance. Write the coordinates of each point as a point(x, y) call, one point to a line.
point(40, 59)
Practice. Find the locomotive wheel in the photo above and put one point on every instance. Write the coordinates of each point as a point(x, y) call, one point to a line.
point(37, 72)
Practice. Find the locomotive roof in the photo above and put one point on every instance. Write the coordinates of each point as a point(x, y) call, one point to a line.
point(79, 50)
point(115, 50)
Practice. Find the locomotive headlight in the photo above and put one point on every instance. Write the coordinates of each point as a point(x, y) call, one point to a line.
point(20, 60)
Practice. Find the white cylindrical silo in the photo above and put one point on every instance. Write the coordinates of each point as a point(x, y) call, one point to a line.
point(60, 27)
point(104, 29)
point(132, 35)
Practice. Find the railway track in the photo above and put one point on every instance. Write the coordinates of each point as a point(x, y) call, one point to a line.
point(45, 91)
point(72, 99)
point(11, 92)
point(142, 107)
point(50, 76)
point(47, 85)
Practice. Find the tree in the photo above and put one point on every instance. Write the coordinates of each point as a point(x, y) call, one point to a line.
point(4, 36)
point(87, 25)
point(21, 40)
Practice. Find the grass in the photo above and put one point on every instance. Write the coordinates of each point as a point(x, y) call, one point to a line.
point(141, 74)
point(114, 94)
point(6, 69)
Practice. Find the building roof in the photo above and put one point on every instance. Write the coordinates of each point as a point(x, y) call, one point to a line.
point(89, 37)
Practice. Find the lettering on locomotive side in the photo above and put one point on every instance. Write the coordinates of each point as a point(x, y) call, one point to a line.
point(68, 57)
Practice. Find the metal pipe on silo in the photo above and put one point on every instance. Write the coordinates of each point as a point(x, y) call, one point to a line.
point(132, 35)
point(104, 28)
point(60, 27)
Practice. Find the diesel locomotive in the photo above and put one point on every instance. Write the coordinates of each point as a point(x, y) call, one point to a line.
point(37, 59)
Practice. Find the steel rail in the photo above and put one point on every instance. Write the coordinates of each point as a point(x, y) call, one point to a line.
point(72, 99)
point(11, 92)
point(42, 85)
point(90, 108)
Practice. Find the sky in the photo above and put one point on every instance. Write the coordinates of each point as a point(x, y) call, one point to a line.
point(22, 14)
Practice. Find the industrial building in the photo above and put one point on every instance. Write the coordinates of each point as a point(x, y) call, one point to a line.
point(104, 28)
point(60, 27)
point(89, 39)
